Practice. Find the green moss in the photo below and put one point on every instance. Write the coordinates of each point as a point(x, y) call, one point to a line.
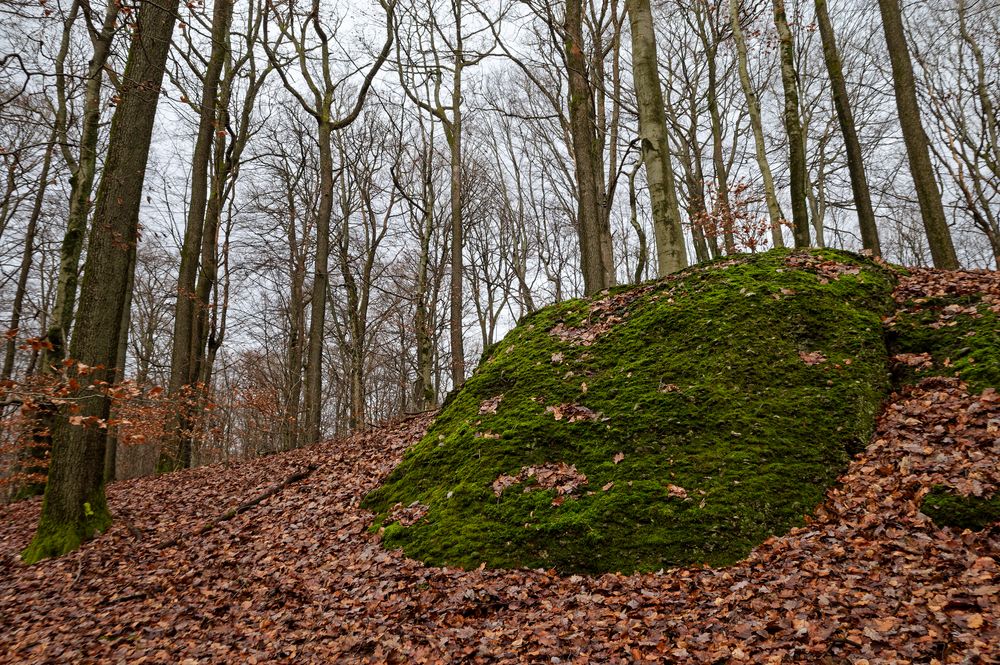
point(55, 538)
point(947, 508)
point(961, 334)
point(700, 385)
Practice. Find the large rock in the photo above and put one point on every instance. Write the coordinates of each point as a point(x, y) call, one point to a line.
point(679, 422)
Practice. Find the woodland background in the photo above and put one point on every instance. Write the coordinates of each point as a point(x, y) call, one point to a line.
point(399, 329)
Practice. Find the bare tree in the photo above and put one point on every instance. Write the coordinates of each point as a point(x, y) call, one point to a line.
point(915, 139)
point(302, 32)
point(671, 253)
point(75, 507)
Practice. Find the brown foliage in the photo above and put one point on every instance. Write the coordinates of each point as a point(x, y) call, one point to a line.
point(299, 577)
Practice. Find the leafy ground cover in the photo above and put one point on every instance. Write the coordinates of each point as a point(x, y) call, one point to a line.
point(299, 577)
point(677, 423)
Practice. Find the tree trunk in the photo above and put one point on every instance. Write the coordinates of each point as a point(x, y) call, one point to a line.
point(26, 260)
point(753, 107)
point(643, 253)
point(793, 128)
point(718, 160)
point(84, 168)
point(111, 452)
point(671, 253)
point(190, 307)
point(33, 459)
point(296, 325)
point(75, 506)
point(593, 230)
point(917, 152)
point(989, 116)
point(317, 312)
point(855, 159)
point(424, 394)
point(453, 131)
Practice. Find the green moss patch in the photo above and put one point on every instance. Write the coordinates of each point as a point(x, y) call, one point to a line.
point(947, 508)
point(948, 336)
point(679, 422)
point(55, 538)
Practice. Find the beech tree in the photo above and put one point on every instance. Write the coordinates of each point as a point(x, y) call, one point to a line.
point(915, 139)
point(852, 145)
point(596, 256)
point(756, 125)
point(322, 89)
point(671, 253)
point(793, 127)
point(74, 507)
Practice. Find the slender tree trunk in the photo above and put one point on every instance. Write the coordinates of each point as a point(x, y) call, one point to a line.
point(317, 312)
point(84, 168)
point(671, 254)
point(756, 125)
point(75, 507)
point(793, 128)
point(917, 151)
point(33, 459)
point(855, 159)
point(190, 307)
point(718, 159)
point(424, 394)
point(27, 257)
point(111, 451)
point(296, 324)
point(989, 116)
point(454, 134)
point(593, 230)
point(643, 254)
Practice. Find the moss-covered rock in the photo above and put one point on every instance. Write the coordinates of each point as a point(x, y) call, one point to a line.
point(947, 508)
point(959, 333)
point(679, 422)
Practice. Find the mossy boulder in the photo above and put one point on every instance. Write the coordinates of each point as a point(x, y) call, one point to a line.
point(948, 508)
point(958, 334)
point(679, 422)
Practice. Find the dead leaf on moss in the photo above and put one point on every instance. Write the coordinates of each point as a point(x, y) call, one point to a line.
point(573, 413)
point(677, 491)
point(562, 477)
point(812, 357)
point(490, 405)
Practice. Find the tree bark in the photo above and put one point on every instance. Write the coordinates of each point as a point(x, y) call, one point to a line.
point(313, 394)
point(84, 168)
point(190, 306)
point(27, 257)
point(453, 132)
point(753, 108)
point(718, 160)
point(855, 159)
point(915, 138)
point(111, 452)
point(643, 254)
point(793, 128)
point(593, 228)
point(75, 506)
point(671, 253)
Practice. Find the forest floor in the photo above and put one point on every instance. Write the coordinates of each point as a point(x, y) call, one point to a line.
point(298, 577)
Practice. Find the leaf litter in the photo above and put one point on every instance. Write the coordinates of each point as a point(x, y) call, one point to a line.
point(301, 578)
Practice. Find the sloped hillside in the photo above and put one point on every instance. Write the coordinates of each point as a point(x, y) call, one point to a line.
point(677, 423)
point(299, 577)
